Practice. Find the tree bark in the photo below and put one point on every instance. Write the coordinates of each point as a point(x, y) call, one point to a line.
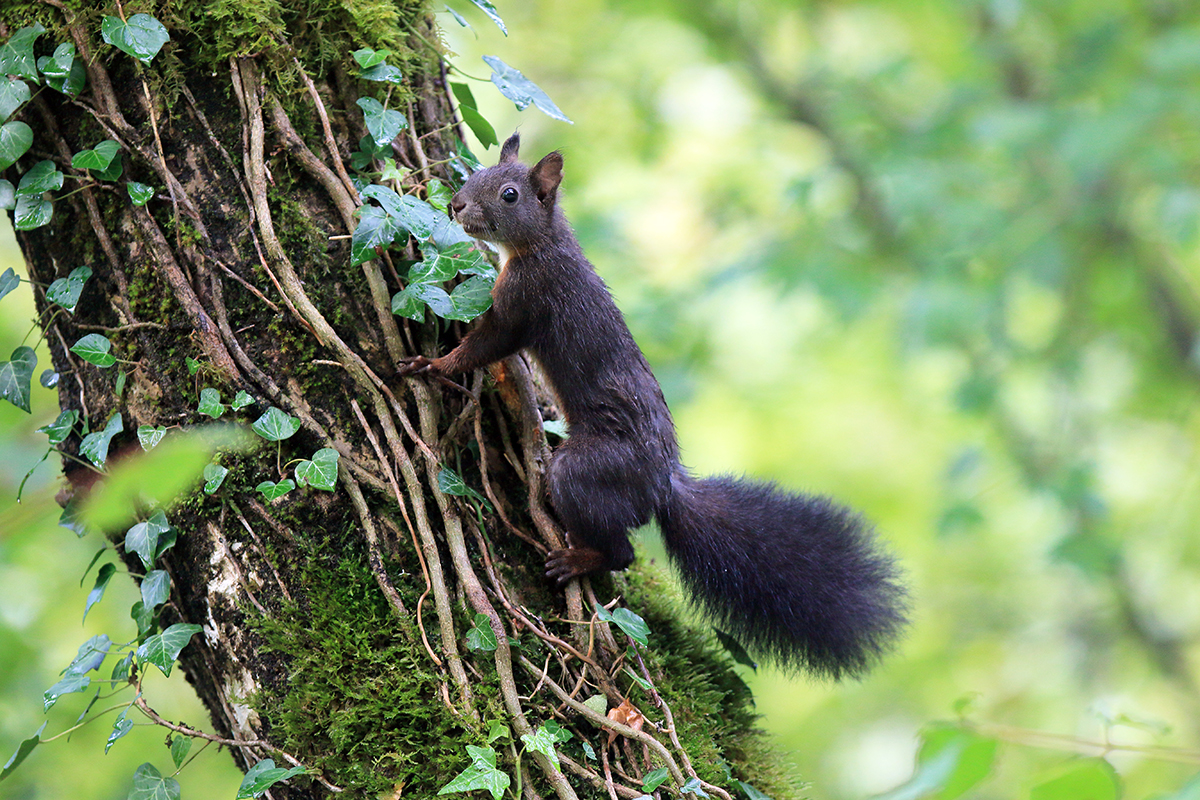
point(341, 629)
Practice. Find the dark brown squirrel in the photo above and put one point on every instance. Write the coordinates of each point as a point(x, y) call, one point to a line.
point(798, 578)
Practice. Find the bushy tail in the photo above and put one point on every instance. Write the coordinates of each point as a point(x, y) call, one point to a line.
point(797, 579)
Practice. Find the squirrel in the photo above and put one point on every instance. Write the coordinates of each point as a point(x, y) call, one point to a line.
point(798, 578)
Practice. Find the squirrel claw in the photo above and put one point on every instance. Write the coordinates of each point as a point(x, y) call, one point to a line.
point(563, 565)
point(416, 365)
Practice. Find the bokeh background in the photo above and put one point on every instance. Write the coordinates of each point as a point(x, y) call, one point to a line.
point(939, 258)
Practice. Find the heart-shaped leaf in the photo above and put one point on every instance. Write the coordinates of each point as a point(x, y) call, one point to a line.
point(273, 491)
point(15, 139)
point(16, 377)
point(94, 349)
point(98, 158)
point(384, 124)
point(141, 37)
point(162, 649)
point(275, 425)
point(65, 291)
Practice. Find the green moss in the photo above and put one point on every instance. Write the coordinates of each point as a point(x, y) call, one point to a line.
point(355, 698)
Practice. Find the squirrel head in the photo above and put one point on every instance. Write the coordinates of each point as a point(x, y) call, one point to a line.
point(510, 204)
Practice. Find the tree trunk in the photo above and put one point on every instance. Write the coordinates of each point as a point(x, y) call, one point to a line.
point(348, 630)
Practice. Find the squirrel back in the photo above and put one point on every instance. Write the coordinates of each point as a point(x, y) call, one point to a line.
point(799, 578)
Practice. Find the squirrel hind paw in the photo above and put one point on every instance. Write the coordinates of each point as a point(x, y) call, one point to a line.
point(563, 565)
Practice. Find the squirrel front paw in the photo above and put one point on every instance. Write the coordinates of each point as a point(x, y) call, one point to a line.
point(416, 365)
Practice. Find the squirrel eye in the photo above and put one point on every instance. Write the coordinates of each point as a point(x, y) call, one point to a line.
point(509, 195)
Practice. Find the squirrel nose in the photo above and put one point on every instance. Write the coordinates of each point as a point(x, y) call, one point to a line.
point(457, 204)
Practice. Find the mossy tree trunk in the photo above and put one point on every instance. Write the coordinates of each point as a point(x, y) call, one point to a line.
point(337, 625)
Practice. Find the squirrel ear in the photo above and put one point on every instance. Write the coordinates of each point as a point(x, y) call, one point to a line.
point(546, 175)
point(509, 151)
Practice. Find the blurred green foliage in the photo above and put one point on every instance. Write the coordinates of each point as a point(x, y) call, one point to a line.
point(939, 258)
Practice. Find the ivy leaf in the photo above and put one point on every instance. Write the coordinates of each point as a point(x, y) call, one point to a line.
point(493, 15)
point(94, 446)
point(273, 491)
point(439, 194)
point(15, 139)
point(49, 378)
point(120, 670)
point(375, 228)
point(471, 298)
point(141, 37)
point(693, 786)
point(497, 729)
point(90, 655)
point(542, 741)
point(180, 745)
point(32, 212)
point(109, 173)
point(43, 176)
point(162, 649)
point(654, 779)
point(143, 538)
point(8, 195)
point(72, 520)
point(634, 626)
point(8, 281)
point(92, 563)
point(321, 472)
point(68, 685)
point(450, 483)
point(481, 636)
point(383, 72)
point(98, 158)
point(214, 476)
point(149, 784)
point(149, 436)
point(65, 291)
point(263, 776)
point(63, 71)
point(479, 126)
point(193, 366)
point(139, 193)
point(522, 91)
point(597, 703)
point(241, 400)
point(275, 425)
point(210, 403)
point(407, 304)
point(156, 588)
point(16, 377)
point(16, 55)
point(23, 751)
point(94, 349)
point(144, 619)
point(482, 774)
point(556, 427)
point(384, 124)
point(14, 92)
point(434, 267)
point(433, 296)
point(102, 578)
point(122, 725)
point(367, 58)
